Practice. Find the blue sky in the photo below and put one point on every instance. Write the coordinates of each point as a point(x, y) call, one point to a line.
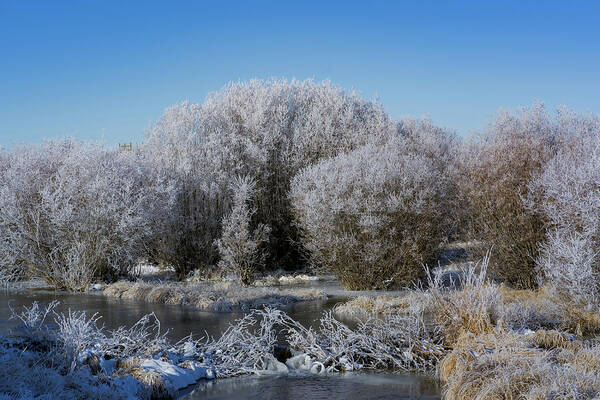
point(103, 69)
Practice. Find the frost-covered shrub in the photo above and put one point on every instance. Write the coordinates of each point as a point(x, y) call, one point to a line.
point(496, 173)
point(423, 137)
point(72, 212)
point(266, 130)
point(373, 216)
point(440, 146)
point(186, 239)
point(569, 193)
point(10, 238)
point(239, 245)
point(75, 333)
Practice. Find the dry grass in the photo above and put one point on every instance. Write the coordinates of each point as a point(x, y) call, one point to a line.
point(542, 309)
point(155, 383)
point(221, 297)
point(581, 322)
point(507, 365)
point(362, 307)
point(549, 340)
point(463, 312)
point(520, 295)
point(495, 361)
point(469, 347)
point(501, 343)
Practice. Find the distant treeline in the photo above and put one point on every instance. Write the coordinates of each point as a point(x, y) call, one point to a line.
point(302, 174)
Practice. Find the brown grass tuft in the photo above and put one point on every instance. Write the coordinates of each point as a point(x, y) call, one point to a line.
point(221, 297)
point(581, 322)
point(152, 379)
point(520, 295)
point(137, 290)
point(166, 295)
point(449, 365)
point(508, 365)
point(553, 339)
point(117, 289)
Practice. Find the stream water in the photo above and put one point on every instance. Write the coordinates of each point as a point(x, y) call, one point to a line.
point(182, 320)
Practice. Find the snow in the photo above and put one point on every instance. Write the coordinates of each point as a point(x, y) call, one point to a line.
point(272, 366)
point(177, 377)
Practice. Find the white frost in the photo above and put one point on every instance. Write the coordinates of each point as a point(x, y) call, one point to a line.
point(177, 377)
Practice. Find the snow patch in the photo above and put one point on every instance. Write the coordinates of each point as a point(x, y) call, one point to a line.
point(177, 377)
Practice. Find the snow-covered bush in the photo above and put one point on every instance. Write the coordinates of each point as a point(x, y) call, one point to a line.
point(569, 193)
point(434, 142)
point(372, 217)
point(75, 333)
point(266, 130)
point(174, 150)
point(10, 270)
point(239, 245)
point(496, 172)
point(441, 147)
point(185, 238)
point(72, 212)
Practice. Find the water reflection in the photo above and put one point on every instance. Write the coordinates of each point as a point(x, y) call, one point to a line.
point(356, 386)
point(179, 320)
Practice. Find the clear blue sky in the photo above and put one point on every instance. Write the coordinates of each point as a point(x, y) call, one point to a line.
point(93, 69)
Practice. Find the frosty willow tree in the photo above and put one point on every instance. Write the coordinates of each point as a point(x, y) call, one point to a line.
point(568, 195)
point(267, 131)
point(71, 212)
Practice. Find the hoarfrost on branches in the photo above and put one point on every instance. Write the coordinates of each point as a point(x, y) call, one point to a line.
point(569, 198)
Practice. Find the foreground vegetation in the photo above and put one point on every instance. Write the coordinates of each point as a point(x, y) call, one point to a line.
point(498, 343)
point(481, 339)
point(80, 360)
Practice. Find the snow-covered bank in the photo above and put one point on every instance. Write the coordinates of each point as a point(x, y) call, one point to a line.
point(222, 297)
point(479, 337)
point(68, 356)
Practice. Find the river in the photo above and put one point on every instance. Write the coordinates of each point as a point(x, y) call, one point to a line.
point(180, 321)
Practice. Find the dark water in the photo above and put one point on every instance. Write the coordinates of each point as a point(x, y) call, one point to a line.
point(349, 386)
point(181, 321)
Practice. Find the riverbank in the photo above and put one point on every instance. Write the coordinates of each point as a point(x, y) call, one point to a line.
point(479, 339)
point(220, 297)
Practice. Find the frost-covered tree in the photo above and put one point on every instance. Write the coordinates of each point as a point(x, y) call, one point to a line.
point(9, 269)
point(174, 150)
point(267, 130)
point(72, 212)
point(373, 216)
point(568, 194)
point(240, 245)
point(24, 172)
point(496, 171)
point(441, 147)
